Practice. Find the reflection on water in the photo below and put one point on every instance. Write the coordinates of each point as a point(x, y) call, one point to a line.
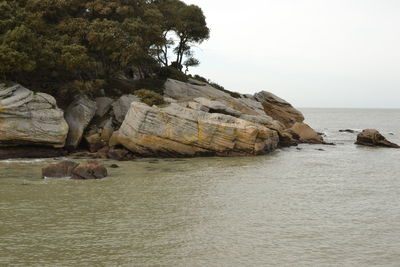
point(294, 207)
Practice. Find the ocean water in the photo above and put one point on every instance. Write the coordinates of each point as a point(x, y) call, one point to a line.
point(313, 205)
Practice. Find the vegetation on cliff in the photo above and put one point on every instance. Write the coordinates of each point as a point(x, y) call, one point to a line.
point(74, 46)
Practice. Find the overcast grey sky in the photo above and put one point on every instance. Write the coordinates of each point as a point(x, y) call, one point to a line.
point(313, 53)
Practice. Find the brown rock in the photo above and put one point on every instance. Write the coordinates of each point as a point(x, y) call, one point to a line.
point(371, 137)
point(117, 154)
point(62, 169)
point(90, 169)
point(279, 109)
point(306, 134)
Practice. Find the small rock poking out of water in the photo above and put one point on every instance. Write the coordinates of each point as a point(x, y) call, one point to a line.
point(347, 131)
point(90, 169)
point(371, 137)
point(114, 166)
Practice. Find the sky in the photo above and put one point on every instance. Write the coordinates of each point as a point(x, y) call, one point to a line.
point(313, 53)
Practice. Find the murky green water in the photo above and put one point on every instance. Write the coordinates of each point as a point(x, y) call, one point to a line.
point(338, 207)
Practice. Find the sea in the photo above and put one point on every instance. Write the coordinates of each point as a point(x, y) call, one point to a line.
point(311, 205)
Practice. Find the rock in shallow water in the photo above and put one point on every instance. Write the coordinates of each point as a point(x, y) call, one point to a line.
point(371, 137)
point(90, 169)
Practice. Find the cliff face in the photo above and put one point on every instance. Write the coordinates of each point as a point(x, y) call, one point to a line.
point(199, 120)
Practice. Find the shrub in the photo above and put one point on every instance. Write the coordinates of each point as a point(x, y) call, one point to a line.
point(149, 97)
point(151, 84)
point(173, 73)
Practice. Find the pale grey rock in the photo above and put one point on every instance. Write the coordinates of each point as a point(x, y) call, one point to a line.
point(122, 105)
point(28, 118)
point(197, 106)
point(78, 116)
point(169, 100)
point(179, 131)
point(103, 105)
point(217, 107)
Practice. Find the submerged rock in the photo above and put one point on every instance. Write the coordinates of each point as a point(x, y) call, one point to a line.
point(371, 137)
point(61, 169)
point(347, 131)
point(28, 118)
point(279, 109)
point(78, 115)
point(90, 169)
point(179, 131)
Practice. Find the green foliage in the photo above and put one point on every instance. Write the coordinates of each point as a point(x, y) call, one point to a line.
point(65, 47)
point(149, 97)
point(173, 73)
point(151, 84)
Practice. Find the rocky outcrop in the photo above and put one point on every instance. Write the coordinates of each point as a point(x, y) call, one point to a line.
point(28, 118)
point(182, 91)
point(90, 169)
point(122, 105)
point(179, 131)
point(279, 109)
point(78, 116)
point(305, 134)
point(371, 137)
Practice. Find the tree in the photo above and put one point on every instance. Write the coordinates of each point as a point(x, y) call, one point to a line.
point(185, 22)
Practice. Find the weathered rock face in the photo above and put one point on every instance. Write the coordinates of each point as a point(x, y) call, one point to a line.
point(61, 169)
point(122, 105)
point(28, 118)
point(371, 137)
point(78, 116)
point(306, 134)
point(179, 131)
point(188, 91)
point(103, 105)
point(279, 109)
point(90, 169)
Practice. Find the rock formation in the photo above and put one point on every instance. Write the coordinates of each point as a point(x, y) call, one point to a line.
point(279, 109)
point(180, 131)
point(78, 116)
point(90, 169)
point(371, 137)
point(28, 118)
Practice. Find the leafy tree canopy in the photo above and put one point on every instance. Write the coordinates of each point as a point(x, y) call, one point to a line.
point(69, 46)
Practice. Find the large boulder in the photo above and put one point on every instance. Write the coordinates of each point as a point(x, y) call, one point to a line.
point(371, 137)
point(179, 131)
point(28, 118)
point(78, 116)
point(122, 105)
point(279, 109)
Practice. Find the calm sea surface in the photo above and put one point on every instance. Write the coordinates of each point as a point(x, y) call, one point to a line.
point(335, 207)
